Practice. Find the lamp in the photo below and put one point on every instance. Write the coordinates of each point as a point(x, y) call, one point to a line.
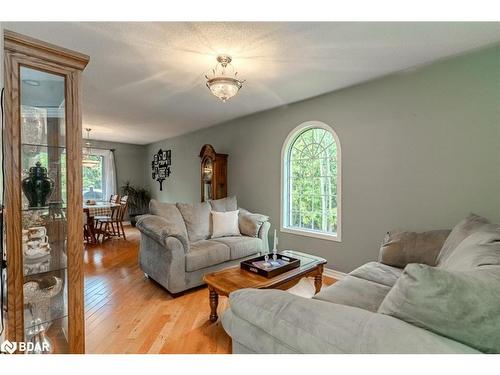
point(222, 81)
point(87, 161)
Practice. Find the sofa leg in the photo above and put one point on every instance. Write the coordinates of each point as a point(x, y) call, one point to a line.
point(146, 275)
point(214, 302)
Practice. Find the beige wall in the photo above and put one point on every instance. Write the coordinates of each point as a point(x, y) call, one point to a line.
point(420, 150)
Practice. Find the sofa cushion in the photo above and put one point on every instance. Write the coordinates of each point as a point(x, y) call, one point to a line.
point(225, 224)
point(241, 246)
point(356, 292)
point(197, 219)
point(479, 249)
point(224, 204)
point(462, 230)
point(250, 223)
point(402, 248)
point(274, 321)
point(378, 273)
point(461, 305)
point(206, 253)
point(171, 214)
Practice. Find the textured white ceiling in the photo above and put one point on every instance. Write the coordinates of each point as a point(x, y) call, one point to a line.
point(145, 81)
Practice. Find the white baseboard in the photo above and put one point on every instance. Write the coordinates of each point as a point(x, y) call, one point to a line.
point(337, 275)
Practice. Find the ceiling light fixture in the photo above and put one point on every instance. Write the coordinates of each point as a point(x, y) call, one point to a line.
point(222, 81)
point(87, 160)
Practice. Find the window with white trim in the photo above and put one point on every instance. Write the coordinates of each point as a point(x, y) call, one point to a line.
point(94, 179)
point(311, 182)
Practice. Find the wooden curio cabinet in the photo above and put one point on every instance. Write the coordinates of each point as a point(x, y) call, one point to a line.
point(43, 242)
point(213, 174)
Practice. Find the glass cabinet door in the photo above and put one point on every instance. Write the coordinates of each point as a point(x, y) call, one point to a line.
point(44, 198)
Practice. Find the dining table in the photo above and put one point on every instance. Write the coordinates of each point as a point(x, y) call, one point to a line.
point(92, 210)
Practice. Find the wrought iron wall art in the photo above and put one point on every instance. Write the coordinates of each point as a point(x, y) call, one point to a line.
point(161, 166)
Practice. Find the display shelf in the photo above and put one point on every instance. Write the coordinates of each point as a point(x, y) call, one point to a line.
point(45, 298)
point(44, 240)
point(46, 208)
point(41, 323)
point(62, 148)
point(51, 156)
point(55, 261)
point(54, 336)
point(50, 270)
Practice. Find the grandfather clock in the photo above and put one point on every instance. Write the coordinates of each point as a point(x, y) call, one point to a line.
point(213, 174)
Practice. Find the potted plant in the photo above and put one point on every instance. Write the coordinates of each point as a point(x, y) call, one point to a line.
point(138, 200)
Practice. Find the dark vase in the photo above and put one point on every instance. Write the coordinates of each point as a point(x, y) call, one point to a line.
point(38, 186)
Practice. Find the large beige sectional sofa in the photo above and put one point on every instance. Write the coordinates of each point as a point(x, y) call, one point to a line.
point(432, 292)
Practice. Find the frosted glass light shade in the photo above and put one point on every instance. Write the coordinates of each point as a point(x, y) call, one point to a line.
point(224, 88)
point(222, 81)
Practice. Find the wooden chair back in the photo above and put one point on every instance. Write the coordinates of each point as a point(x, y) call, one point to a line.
point(114, 198)
point(123, 207)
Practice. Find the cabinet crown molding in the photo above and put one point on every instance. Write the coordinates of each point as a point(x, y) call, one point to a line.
point(16, 42)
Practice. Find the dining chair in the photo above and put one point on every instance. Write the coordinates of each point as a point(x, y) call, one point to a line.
point(114, 198)
point(86, 230)
point(116, 218)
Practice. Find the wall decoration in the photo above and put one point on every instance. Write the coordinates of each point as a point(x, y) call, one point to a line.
point(161, 166)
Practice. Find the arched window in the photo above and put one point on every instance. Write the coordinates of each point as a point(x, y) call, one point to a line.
point(311, 182)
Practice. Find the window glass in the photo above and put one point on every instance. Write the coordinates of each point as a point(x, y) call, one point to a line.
point(311, 181)
point(94, 179)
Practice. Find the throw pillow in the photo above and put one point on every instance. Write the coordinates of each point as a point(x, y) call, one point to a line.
point(224, 204)
point(400, 249)
point(197, 219)
point(478, 250)
point(225, 224)
point(462, 230)
point(463, 306)
point(250, 223)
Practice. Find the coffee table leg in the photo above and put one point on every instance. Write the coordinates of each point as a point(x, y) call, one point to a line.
point(318, 282)
point(214, 302)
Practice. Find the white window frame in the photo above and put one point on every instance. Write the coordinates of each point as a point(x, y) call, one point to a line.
point(285, 154)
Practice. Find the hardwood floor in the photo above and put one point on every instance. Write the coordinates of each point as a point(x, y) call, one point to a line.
point(127, 313)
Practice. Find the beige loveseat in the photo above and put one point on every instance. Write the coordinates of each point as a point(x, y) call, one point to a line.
point(176, 247)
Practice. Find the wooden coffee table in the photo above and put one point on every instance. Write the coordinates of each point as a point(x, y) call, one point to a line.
point(223, 282)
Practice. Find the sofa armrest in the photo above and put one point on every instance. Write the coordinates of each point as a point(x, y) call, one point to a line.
point(159, 229)
point(263, 235)
point(402, 248)
point(250, 223)
point(254, 225)
point(266, 321)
